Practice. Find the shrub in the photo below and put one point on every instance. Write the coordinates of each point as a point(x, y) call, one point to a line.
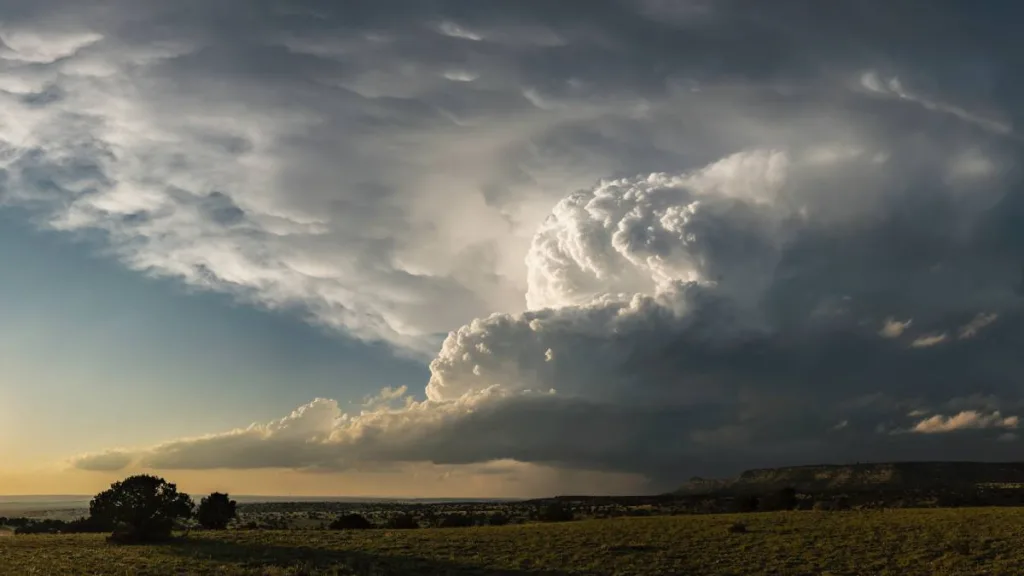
point(555, 513)
point(402, 522)
point(351, 522)
point(455, 521)
point(216, 511)
point(84, 525)
point(785, 499)
point(746, 503)
point(497, 519)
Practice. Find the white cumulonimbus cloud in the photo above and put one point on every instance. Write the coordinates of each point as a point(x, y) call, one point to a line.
point(690, 348)
point(640, 236)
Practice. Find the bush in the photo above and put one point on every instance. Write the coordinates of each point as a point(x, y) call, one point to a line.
point(216, 511)
point(497, 519)
point(745, 503)
point(85, 525)
point(555, 513)
point(140, 508)
point(41, 527)
point(455, 521)
point(785, 499)
point(402, 522)
point(836, 504)
point(350, 522)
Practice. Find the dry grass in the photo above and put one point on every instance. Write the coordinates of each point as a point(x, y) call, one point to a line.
point(904, 542)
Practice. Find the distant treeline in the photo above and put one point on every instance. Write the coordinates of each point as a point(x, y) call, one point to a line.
point(791, 499)
point(23, 525)
point(217, 511)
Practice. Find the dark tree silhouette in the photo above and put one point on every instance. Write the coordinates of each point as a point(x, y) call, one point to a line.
point(350, 522)
point(140, 509)
point(402, 522)
point(556, 513)
point(498, 519)
point(786, 499)
point(216, 511)
point(747, 503)
point(455, 521)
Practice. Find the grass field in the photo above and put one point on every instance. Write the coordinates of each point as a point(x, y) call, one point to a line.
point(904, 542)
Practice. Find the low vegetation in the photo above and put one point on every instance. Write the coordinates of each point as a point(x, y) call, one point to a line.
point(897, 542)
point(882, 529)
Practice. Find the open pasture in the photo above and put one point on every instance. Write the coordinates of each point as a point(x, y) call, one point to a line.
point(904, 542)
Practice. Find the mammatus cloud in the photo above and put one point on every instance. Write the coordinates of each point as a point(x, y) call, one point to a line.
point(894, 328)
point(929, 340)
point(976, 325)
point(652, 252)
point(385, 173)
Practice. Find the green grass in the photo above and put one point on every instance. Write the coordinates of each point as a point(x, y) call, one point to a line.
point(904, 542)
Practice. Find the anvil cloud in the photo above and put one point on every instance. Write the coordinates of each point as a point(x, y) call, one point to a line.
point(662, 238)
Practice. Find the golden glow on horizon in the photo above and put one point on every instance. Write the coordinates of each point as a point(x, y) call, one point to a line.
point(511, 479)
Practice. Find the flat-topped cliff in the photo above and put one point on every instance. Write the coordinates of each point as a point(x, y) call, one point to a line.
point(866, 476)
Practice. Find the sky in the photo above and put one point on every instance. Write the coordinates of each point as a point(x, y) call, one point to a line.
point(481, 248)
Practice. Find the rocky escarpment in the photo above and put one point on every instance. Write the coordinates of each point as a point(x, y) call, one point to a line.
point(864, 477)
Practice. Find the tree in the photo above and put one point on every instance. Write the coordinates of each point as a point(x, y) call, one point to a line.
point(216, 511)
point(140, 508)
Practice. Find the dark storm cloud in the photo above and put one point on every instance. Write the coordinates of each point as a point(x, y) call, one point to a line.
point(826, 171)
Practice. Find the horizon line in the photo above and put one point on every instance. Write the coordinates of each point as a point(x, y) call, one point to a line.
point(277, 496)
